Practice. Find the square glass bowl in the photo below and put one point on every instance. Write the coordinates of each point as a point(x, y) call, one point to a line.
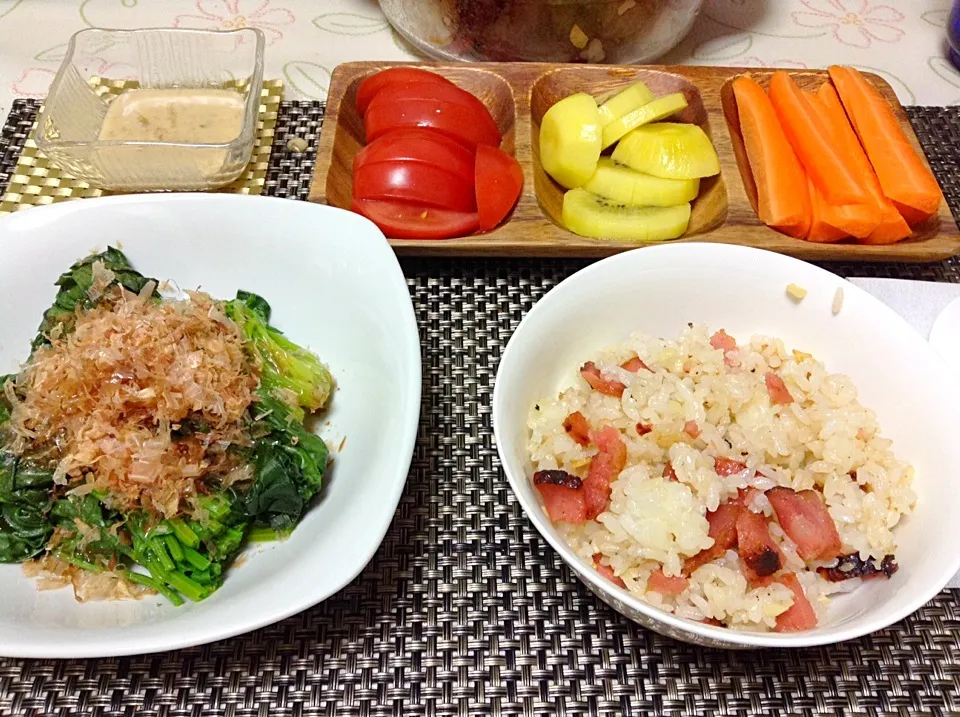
point(102, 64)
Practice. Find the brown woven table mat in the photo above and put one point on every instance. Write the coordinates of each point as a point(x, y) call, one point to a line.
point(465, 610)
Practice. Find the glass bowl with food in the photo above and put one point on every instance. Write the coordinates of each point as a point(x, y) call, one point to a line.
point(154, 109)
point(596, 31)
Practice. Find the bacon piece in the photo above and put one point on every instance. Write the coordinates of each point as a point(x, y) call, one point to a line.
point(807, 522)
point(607, 572)
point(644, 428)
point(800, 616)
point(852, 566)
point(723, 530)
point(604, 469)
point(563, 495)
point(728, 467)
point(691, 429)
point(591, 374)
point(669, 473)
point(634, 365)
point(577, 428)
point(726, 343)
point(660, 583)
point(723, 341)
point(712, 621)
point(759, 554)
point(777, 389)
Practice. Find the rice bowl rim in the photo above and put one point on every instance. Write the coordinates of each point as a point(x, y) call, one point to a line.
point(694, 255)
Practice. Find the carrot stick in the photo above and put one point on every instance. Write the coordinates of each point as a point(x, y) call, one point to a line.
point(904, 177)
point(892, 227)
point(783, 201)
point(821, 230)
point(810, 139)
point(857, 220)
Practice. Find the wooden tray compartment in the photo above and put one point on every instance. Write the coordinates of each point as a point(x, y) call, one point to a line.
point(518, 95)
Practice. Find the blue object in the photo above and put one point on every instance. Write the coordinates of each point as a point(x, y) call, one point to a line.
point(953, 34)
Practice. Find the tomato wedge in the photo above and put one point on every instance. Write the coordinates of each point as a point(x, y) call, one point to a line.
point(449, 118)
point(499, 180)
point(374, 83)
point(400, 93)
point(419, 145)
point(414, 182)
point(407, 221)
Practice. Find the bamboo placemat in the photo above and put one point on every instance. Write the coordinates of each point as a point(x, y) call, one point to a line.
point(465, 611)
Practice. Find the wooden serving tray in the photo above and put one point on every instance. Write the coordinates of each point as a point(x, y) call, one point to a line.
point(518, 95)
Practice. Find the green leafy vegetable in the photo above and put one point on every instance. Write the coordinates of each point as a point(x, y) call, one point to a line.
point(75, 284)
point(24, 501)
point(181, 557)
point(285, 367)
point(289, 461)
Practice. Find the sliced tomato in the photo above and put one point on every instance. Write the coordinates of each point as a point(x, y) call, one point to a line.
point(415, 183)
point(402, 92)
point(371, 86)
point(449, 118)
point(800, 615)
point(499, 180)
point(399, 220)
point(419, 145)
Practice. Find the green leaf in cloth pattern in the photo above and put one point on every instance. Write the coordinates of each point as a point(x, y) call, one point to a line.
point(308, 78)
point(724, 48)
point(58, 52)
point(8, 6)
point(99, 13)
point(944, 70)
point(937, 18)
point(350, 23)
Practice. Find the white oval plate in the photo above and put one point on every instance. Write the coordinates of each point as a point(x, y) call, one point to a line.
point(336, 287)
point(657, 290)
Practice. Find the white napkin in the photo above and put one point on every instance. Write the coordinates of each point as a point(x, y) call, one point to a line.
point(920, 303)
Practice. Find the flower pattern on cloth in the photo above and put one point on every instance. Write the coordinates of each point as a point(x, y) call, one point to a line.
point(236, 14)
point(857, 23)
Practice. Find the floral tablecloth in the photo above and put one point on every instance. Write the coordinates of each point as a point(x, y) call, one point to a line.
point(902, 40)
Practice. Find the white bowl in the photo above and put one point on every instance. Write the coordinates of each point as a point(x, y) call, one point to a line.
point(658, 290)
point(336, 287)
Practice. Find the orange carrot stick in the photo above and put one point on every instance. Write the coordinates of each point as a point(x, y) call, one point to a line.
point(892, 227)
point(783, 201)
point(821, 230)
point(904, 177)
point(857, 220)
point(810, 139)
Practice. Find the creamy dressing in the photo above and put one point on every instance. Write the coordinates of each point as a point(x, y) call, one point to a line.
point(174, 115)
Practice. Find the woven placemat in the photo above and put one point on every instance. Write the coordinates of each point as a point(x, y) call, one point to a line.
point(465, 610)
